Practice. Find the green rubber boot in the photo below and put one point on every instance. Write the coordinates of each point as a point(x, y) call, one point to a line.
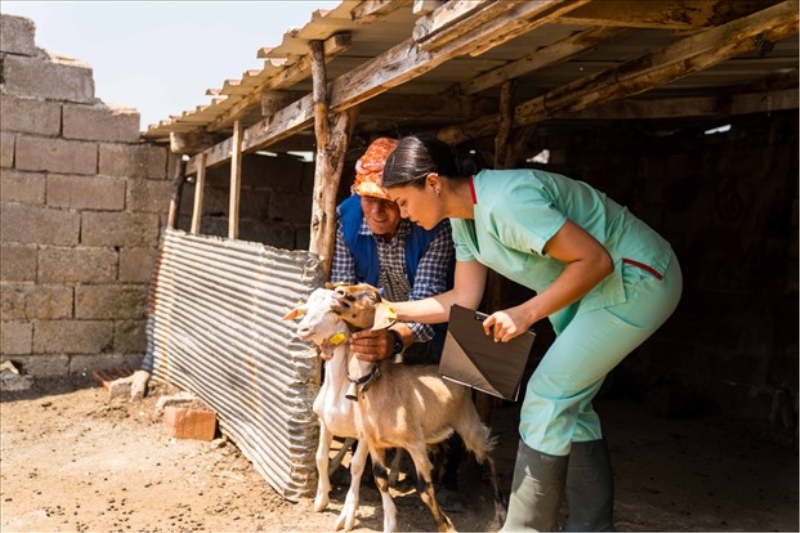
point(536, 491)
point(590, 488)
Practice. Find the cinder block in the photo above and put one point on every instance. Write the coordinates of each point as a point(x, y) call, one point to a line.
point(7, 149)
point(17, 262)
point(130, 336)
point(30, 115)
point(23, 301)
point(137, 230)
point(17, 35)
point(149, 196)
point(85, 364)
point(39, 365)
point(133, 161)
point(54, 78)
point(101, 123)
point(22, 187)
point(136, 264)
point(187, 423)
point(73, 336)
point(55, 155)
point(110, 301)
point(15, 337)
point(40, 225)
point(77, 265)
point(83, 192)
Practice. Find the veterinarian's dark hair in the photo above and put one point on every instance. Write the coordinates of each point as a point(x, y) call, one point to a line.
point(415, 157)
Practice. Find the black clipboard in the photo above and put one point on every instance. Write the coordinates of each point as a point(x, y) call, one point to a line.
point(472, 358)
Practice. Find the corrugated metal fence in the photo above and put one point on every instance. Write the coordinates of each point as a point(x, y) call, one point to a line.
point(215, 329)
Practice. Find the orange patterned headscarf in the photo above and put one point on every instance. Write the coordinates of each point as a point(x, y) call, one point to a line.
point(369, 169)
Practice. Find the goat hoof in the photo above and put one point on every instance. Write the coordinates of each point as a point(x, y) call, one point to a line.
point(320, 504)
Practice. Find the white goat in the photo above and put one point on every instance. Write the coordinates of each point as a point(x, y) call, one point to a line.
point(397, 405)
point(335, 412)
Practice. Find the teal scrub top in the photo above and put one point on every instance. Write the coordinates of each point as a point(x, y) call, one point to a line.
point(517, 211)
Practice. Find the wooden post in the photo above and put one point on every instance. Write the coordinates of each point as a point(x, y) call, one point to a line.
point(199, 185)
point(236, 181)
point(332, 143)
point(177, 191)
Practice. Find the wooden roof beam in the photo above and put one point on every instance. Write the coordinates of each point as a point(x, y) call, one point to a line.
point(663, 66)
point(662, 14)
point(394, 67)
point(300, 70)
point(696, 106)
point(370, 10)
point(558, 52)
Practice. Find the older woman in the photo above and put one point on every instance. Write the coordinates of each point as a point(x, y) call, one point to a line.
point(604, 278)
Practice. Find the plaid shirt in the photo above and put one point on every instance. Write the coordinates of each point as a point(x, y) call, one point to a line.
point(431, 278)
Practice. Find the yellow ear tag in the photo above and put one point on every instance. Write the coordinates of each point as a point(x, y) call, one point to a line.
point(338, 339)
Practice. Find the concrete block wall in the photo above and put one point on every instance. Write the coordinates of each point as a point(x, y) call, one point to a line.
point(728, 203)
point(275, 203)
point(83, 204)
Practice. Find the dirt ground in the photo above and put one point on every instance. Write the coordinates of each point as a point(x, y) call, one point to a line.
point(72, 461)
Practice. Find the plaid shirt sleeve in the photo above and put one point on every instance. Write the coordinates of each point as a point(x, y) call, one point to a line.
point(432, 274)
point(343, 266)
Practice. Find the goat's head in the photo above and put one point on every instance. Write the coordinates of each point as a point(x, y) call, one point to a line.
point(362, 307)
point(319, 324)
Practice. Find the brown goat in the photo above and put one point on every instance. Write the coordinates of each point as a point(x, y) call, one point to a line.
point(408, 407)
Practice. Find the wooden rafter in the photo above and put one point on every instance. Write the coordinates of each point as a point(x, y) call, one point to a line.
point(295, 72)
point(558, 52)
point(394, 67)
point(662, 14)
point(668, 64)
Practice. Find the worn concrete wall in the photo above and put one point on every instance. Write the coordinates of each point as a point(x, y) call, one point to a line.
point(82, 205)
point(275, 202)
point(728, 203)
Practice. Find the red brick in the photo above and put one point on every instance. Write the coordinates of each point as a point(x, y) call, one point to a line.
point(187, 423)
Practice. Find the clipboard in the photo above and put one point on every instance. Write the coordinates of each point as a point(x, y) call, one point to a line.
point(472, 358)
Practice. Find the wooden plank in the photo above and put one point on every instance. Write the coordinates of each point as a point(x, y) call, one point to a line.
point(371, 10)
point(292, 74)
point(236, 181)
point(424, 7)
point(199, 189)
point(274, 99)
point(458, 17)
point(558, 52)
point(394, 67)
point(690, 107)
point(662, 14)
point(663, 66)
point(190, 142)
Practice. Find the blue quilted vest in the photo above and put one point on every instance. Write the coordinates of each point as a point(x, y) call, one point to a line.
point(365, 253)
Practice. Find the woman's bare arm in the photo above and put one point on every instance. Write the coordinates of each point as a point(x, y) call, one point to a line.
point(467, 291)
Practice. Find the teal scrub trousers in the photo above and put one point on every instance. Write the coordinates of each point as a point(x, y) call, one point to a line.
point(557, 409)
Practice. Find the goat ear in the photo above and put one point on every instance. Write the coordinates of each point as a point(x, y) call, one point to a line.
point(297, 312)
point(384, 316)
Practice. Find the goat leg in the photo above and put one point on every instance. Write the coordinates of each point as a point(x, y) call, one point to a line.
point(324, 482)
point(422, 464)
point(382, 482)
point(347, 517)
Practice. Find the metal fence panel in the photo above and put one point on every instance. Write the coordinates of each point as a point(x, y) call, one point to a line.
point(215, 329)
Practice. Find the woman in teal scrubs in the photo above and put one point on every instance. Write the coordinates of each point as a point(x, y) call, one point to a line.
point(604, 278)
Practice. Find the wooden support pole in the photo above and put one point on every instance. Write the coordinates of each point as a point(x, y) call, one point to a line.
point(504, 127)
point(332, 143)
point(199, 185)
point(236, 181)
point(177, 191)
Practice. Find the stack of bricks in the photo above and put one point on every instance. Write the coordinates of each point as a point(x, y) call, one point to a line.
point(83, 205)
